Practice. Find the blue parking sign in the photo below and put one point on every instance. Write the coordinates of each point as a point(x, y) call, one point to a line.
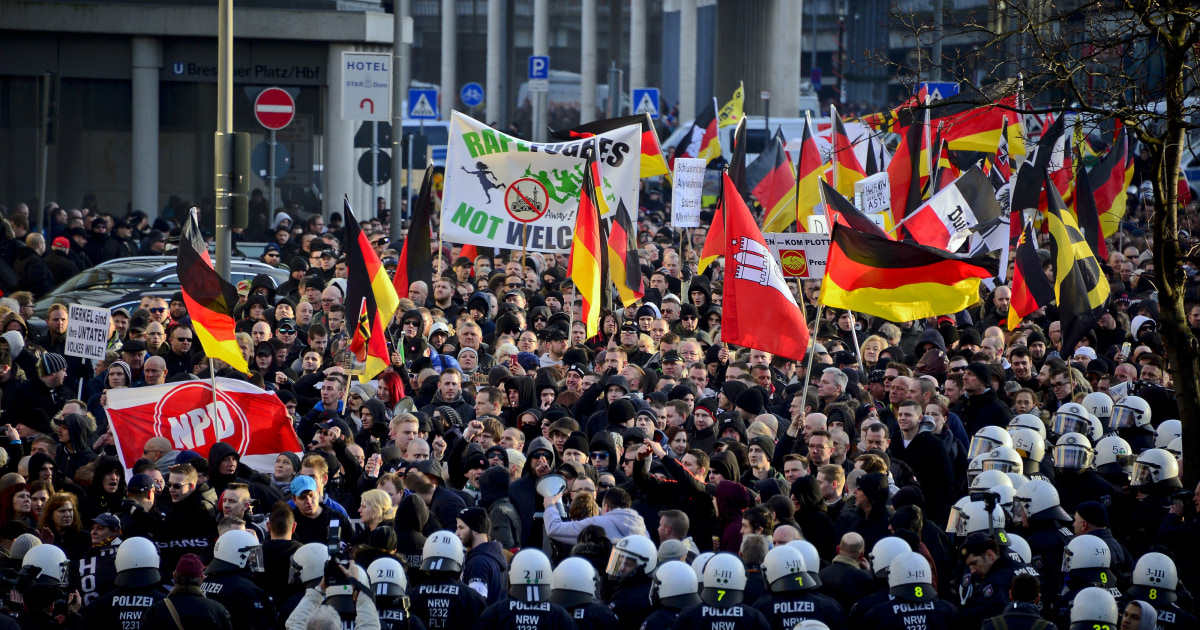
point(539, 67)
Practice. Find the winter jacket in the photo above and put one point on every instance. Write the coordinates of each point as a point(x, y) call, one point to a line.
point(196, 612)
point(617, 524)
point(485, 569)
point(493, 497)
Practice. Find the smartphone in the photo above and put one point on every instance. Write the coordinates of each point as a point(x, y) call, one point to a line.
point(1125, 349)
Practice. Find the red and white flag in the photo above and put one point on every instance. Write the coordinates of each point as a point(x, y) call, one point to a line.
point(251, 420)
point(760, 311)
point(946, 219)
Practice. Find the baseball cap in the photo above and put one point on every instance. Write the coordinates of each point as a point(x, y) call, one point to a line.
point(107, 520)
point(61, 241)
point(302, 484)
point(140, 483)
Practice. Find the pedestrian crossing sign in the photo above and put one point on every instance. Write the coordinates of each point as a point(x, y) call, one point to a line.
point(645, 101)
point(422, 104)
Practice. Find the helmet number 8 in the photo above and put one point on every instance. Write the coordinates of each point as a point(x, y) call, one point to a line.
point(919, 592)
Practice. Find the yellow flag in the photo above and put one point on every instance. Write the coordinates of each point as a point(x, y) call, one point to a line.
point(733, 111)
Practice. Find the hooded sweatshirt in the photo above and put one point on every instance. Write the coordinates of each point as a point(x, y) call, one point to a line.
point(411, 517)
point(732, 499)
point(493, 497)
point(813, 517)
point(523, 492)
point(97, 500)
point(78, 452)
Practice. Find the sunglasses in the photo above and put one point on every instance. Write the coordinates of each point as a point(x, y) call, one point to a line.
point(184, 339)
point(599, 455)
point(178, 486)
point(157, 309)
point(272, 254)
point(513, 285)
point(287, 331)
point(604, 485)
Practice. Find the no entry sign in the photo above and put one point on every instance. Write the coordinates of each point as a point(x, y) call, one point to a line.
point(274, 108)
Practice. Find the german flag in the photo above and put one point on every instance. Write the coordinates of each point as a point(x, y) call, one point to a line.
point(904, 171)
point(370, 295)
point(772, 181)
point(846, 169)
point(1079, 286)
point(968, 127)
point(1087, 214)
point(416, 255)
point(1109, 184)
point(653, 162)
point(584, 265)
point(210, 299)
point(898, 280)
point(623, 263)
point(1031, 289)
point(702, 140)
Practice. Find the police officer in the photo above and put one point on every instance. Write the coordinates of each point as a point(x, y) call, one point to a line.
point(1156, 580)
point(984, 589)
point(307, 571)
point(674, 588)
point(137, 589)
point(442, 601)
point(1031, 446)
point(1087, 563)
point(1094, 609)
point(630, 567)
point(721, 606)
point(528, 606)
point(228, 580)
point(793, 597)
point(913, 603)
point(43, 580)
point(1043, 525)
point(1075, 477)
point(389, 585)
point(1131, 421)
point(573, 587)
point(881, 557)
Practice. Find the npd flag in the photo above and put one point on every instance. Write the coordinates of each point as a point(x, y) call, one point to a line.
point(508, 193)
point(252, 421)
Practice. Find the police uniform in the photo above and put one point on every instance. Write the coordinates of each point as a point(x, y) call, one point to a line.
point(784, 610)
point(446, 604)
point(512, 614)
point(399, 619)
point(249, 606)
point(986, 597)
point(123, 608)
point(630, 601)
point(1046, 546)
point(736, 617)
point(897, 614)
point(596, 616)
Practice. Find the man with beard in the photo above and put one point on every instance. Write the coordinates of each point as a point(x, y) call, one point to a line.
point(450, 394)
point(484, 566)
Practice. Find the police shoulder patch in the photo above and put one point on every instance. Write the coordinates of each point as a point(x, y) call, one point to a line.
point(988, 590)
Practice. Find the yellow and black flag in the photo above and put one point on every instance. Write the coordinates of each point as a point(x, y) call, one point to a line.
point(210, 298)
point(370, 295)
point(1079, 285)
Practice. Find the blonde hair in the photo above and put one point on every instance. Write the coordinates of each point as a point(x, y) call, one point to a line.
point(381, 502)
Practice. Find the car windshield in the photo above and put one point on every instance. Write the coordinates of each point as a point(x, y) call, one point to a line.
point(101, 277)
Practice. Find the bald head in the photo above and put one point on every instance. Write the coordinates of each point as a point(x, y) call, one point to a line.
point(155, 370)
point(785, 534)
point(852, 546)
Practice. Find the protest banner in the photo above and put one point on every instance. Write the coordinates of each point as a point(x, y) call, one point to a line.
point(87, 332)
point(800, 254)
point(509, 193)
point(686, 192)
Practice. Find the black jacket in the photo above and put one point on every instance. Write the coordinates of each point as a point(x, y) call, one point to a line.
point(35, 275)
point(195, 611)
point(248, 605)
point(1018, 616)
point(123, 608)
point(845, 583)
point(684, 492)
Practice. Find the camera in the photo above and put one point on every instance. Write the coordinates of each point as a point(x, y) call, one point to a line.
point(339, 590)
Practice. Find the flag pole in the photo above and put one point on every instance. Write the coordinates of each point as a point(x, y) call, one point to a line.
point(854, 336)
point(811, 356)
point(212, 375)
point(807, 129)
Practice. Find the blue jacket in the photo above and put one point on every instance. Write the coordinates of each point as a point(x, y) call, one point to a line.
point(484, 571)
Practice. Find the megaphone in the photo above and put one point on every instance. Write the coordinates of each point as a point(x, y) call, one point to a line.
point(551, 485)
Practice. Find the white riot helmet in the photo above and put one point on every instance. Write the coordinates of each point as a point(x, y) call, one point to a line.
point(1039, 500)
point(811, 624)
point(1028, 421)
point(974, 467)
point(47, 564)
point(1114, 456)
point(1176, 448)
point(698, 566)
point(1018, 545)
point(1028, 443)
point(573, 583)
point(910, 578)
point(1131, 411)
point(1096, 428)
point(1156, 465)
point(973, 518)
point(1003, 458)
point(1155, 579)
point(986, 439)
point(812, 559)
point(1017, 479)
point(955, 520)
point(443, 551)
point(1007, 496)
point(632, 556)
point(1073, 451)
point(529, 576)
point(387, 578)
point(1093, 608)
point(1167, 431)
point(675, 585)
point(785, 570)
point(989, 479)
point(1100, 405)
point(884, 551)
point(1071, 418)
point(237, 549)
point(308, 564)
point(724, 581)
point(137, 563)
point(1088, 557)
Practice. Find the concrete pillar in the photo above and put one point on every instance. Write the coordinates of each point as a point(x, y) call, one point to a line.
point(340, 164)
point(449, 94)
point(147, 63)
point(541, 46)
point(496, 48)
point(687, 60)
point(785, 58)
point(637, 44)
point(587, 62)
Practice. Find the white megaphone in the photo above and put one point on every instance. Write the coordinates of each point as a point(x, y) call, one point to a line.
point(551, 485)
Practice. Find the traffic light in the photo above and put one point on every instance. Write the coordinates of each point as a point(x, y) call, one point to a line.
point(233, 175)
